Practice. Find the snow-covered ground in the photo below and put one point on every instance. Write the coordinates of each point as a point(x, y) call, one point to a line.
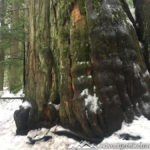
point(9, 141)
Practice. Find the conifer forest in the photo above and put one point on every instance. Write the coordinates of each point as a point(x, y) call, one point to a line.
point(79, 66)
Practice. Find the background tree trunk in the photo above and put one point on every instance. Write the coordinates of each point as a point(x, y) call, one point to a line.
point(15, 70)
point(2, 15)
point(13, 74)
point(143, 27)
point(86, 56)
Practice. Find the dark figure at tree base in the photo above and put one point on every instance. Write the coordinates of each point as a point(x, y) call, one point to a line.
point(21, 120)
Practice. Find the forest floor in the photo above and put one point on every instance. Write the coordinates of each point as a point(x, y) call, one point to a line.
point(140, 129)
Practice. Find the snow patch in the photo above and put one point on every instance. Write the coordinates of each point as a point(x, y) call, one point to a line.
point(146, 107)
point(146, 74)
point(26, 104)
point(91, 101)
point(132, 10)
point(55, 105)
point(129, 21)
point(141, 45)
point(84, 92)
point(6, 93)
point(137, 70)
point(82, 77)
point(139, 127)
point(9, 141)
point(82, 62)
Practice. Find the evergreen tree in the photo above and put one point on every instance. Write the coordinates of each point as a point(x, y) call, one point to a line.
point(13, 41)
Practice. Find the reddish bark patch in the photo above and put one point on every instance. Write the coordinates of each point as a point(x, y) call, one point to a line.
point(67, 109)
point(89, 72)
point(77, 18)
point(49, 113)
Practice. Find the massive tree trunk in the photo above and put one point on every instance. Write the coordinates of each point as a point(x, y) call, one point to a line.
point(85, 55)
point(2, 15)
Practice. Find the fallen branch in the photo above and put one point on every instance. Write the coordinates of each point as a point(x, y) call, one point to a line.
point(12, 97)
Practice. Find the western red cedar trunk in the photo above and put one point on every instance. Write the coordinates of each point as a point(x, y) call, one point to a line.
point(85, 55)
